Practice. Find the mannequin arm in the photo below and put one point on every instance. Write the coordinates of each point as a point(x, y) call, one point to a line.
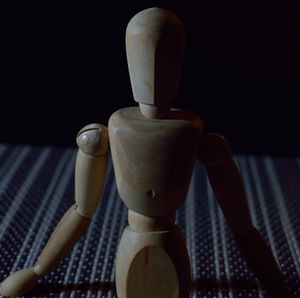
point(225, 179)
point(90, 173)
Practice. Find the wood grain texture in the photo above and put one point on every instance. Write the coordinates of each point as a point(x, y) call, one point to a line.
point(91, 167)
point(153, 264)
point(142, 223)
point(68, 231)
point(155, 42)
point(154, 158)
point(90, 173)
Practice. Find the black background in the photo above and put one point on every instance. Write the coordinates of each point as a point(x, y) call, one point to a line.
point(63, 66)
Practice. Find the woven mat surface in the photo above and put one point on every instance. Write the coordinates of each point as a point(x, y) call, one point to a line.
point(37, 187)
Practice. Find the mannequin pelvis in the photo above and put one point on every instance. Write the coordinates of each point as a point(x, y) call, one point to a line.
point(153, 264)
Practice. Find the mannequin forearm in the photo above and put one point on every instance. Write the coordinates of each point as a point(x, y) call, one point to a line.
point(228, 187)
point(68, 231)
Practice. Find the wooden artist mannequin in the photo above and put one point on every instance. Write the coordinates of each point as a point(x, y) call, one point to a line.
point(154, 148)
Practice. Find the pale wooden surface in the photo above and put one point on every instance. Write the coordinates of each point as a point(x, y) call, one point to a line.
point(155, 43)
point(154, 158)
point(91, 166)
point(153, 149)
point(153, 264)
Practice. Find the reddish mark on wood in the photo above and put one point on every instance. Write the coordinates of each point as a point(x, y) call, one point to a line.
point(148, 85)
point(146, 255)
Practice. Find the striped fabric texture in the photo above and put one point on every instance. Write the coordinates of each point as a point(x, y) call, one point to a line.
point(37, 187)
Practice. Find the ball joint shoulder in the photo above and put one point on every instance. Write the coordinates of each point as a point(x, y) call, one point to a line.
point(93, 139)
